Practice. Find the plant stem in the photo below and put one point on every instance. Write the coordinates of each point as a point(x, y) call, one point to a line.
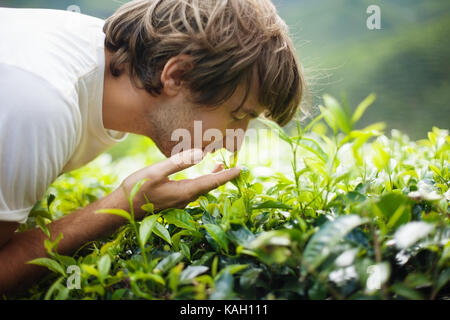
point(378, 258)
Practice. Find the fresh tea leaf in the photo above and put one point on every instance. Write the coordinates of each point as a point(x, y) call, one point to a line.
point(146, 228)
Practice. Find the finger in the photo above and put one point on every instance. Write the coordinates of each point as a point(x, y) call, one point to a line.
point(178, 162)
point(206, 183)
point(218, 167)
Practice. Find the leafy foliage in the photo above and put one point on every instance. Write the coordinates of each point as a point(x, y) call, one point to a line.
point(360, 216)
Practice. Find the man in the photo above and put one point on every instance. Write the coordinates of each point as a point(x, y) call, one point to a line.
point(72, 85)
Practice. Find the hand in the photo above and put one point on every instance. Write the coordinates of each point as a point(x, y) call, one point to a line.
point(164, 193)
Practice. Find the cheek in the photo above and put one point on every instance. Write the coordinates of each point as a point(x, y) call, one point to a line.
point(230, 138)
point(215, 121)
point(214, 127)
point(240, 125)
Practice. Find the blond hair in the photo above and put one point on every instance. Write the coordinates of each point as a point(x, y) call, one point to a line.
point(227, 40)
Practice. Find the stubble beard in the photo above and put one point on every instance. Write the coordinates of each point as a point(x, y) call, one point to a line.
point(165, 121)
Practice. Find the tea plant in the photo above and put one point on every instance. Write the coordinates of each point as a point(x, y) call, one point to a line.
point(361, 216)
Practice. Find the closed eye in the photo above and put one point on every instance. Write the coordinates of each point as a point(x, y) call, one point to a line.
point(239, 117)
point(254, 115)
point(238, 114)
point(241, 113)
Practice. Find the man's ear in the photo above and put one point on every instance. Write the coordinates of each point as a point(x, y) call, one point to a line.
point(173, 72)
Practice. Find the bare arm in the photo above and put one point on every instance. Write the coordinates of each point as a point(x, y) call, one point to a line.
point(77, 228)
point(84, 225)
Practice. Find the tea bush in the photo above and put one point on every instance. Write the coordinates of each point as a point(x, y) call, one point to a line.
point(354, 215)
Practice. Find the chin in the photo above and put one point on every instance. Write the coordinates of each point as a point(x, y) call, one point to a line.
point(166, 152)
point(166, 149)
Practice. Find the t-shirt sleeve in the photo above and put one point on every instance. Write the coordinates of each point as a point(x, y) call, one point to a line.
point(37, 137)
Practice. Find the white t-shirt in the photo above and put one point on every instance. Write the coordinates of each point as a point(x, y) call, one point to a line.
point(51, 89)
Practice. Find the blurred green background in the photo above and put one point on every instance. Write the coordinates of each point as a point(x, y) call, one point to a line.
point(406, 63)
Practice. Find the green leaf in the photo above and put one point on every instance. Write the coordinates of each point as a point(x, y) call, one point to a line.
point(272, 247)
point(55, 287)
point(396, 215)
point(406, 292)
point(329, 118)
point(136, 188)
point(313, 122)
point(214, 266)
point(90, 270)
point(169, 262)
point(223, 287)
point(162, 232)
point(65, 260)
point(249, 277)
point(378, 275)
point(49, 264)
point(148, 207)
point(271, 204)
point(146, 228)
point(312, 146)
point(185, 250)
point(240, 235)
point(50, 245)
point(275, 127)
point(271, 238)
point(443, 279)
point(99, 289)
point(147, 276)
point(410, 233)
point(51, 197)
point(367, 102)
point(40, 213)
point(323, 242)
point(233, 269)
point(104, 265)
point(226, 211)
point(188, 274)
point(435, 169)
point(40, 221)
point(381, 157)
point(118, 294)
point(316, 166)
point(445, 255)
point(181, 219)
point(218, 235)
point(418, 280)
point(338, 113)
point(238, 214)
point(432, 137)
point(318, 291)
point(203, 259)
point(118, 212)
point(396, 208)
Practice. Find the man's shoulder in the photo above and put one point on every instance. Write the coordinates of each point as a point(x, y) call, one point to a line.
point(35, 118)
point(57, 45)
point(27, 98)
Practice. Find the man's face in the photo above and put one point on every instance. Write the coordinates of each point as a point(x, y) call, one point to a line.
point(177, 125)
